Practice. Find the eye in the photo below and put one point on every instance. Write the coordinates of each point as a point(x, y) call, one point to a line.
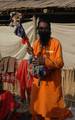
point(43, 29)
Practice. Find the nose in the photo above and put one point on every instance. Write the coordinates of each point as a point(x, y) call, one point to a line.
point(43, 29)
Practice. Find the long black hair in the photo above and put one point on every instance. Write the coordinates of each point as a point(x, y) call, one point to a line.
point(46, 19)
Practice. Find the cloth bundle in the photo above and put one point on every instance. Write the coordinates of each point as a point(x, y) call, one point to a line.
point(7, 69)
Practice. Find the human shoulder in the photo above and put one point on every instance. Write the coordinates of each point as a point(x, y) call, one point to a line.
point(36, 42)
point(55, 41)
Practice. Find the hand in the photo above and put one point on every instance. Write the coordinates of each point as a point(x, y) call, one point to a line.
point(38, 60)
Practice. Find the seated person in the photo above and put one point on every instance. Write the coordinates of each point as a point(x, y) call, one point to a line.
point(7, 104)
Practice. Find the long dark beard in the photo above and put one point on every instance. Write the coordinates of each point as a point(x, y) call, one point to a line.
point(44, 38)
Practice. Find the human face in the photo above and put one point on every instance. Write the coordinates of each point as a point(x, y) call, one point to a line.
point(44, 32)
point(43, 26)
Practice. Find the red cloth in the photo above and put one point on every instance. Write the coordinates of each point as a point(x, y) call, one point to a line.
point(22, 76)
point(7, 104)
point(25, 40)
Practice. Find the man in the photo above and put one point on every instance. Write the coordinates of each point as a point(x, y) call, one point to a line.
point(46, 98)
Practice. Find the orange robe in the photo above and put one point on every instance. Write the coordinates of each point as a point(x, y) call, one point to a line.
point(47, 99)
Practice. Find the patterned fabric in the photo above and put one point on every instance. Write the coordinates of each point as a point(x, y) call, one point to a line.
point(8, 67)
point(9, 77)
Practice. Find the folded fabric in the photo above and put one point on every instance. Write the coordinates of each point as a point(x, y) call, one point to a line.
point(25, 79)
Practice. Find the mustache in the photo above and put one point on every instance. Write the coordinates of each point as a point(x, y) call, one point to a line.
point(44, 38)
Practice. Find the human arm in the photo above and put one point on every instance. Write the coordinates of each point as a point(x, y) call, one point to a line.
point(56, 60)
